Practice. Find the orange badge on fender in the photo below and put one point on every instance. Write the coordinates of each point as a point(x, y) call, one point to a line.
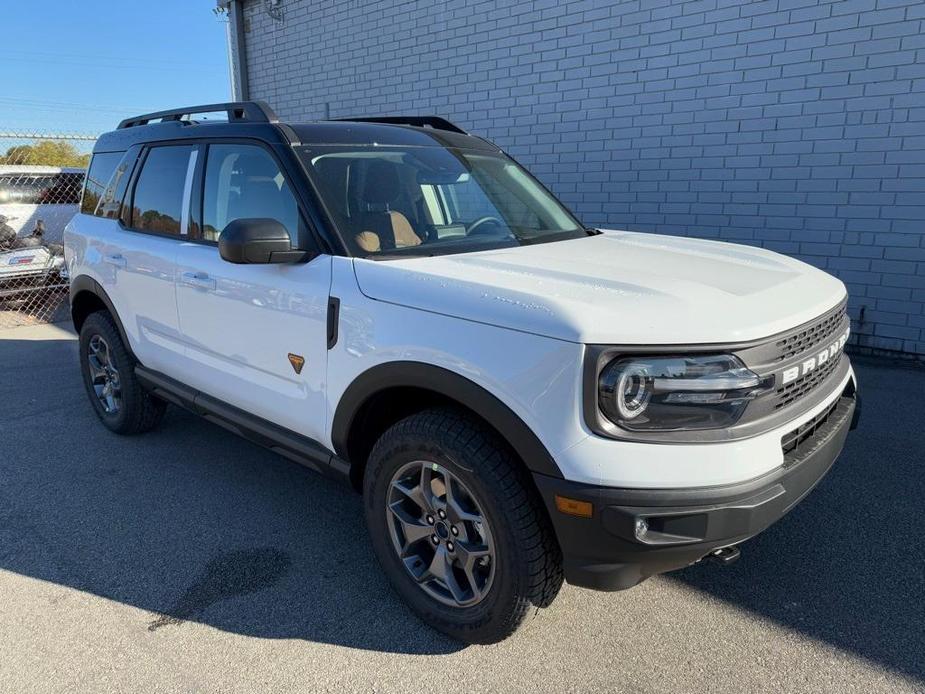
point(297, 362)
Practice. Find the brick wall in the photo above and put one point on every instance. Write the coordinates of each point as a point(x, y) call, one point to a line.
point(798, 125)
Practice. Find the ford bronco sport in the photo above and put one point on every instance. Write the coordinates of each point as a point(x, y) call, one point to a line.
point(398, 304)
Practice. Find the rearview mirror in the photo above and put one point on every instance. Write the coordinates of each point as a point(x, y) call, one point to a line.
point(257, 241)
point(442, 178)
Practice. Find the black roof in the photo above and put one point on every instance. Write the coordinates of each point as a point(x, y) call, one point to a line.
point(364, 133)
point(257, 120)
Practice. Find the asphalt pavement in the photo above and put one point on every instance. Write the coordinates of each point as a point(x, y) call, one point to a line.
point(190, 560)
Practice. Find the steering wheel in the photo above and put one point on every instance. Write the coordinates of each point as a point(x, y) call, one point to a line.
point(473, 229)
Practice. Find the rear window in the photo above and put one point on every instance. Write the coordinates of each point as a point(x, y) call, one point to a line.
point(41, 189)
point(101, 169)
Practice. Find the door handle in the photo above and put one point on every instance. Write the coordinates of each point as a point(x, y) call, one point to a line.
point(116, 259)
point(198, 279)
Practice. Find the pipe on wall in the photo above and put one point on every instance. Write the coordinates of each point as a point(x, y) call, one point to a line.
point(237, 54)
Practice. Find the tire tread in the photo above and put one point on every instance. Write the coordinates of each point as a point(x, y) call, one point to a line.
point(498, 467)
point(143, 411)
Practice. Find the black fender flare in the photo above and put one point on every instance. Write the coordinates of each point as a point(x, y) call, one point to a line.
point(450, 385)
point(85, 283)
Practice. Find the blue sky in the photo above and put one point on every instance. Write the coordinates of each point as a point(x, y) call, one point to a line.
point(81, 66)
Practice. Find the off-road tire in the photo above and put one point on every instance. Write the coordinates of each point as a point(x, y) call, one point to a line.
point(139, 411)
point(528, 561)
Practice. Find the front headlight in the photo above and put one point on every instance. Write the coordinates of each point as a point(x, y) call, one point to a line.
point(677, 393)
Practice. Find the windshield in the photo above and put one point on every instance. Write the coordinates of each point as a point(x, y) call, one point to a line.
point(407, 201)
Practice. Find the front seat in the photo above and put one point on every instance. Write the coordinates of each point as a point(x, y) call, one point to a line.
point(380, 227)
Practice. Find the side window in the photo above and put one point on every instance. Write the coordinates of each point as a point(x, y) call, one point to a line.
point(243, 181)
point(158, 198)
point(110, 204)
point(101, 169)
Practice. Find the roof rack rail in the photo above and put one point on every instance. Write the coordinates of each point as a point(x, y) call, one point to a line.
point(250, 111)
point(435, 122)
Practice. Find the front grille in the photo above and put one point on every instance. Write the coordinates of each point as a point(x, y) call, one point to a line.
point(800, 387)
point(792, 441)
point(815, 334)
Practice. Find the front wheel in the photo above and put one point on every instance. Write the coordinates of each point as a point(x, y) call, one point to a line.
point(457, 528)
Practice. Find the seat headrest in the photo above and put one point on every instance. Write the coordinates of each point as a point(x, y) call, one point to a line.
point(380, 186)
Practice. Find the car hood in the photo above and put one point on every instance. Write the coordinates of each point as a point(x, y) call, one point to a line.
point(614, 288)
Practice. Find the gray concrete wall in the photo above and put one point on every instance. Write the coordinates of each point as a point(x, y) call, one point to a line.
point(798, 125)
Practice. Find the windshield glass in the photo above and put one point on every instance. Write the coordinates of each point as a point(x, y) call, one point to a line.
point(406, 201)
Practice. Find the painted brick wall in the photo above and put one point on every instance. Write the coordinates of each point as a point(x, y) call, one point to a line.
point(798, 125)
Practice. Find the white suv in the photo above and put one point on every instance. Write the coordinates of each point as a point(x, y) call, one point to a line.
point(400, 305)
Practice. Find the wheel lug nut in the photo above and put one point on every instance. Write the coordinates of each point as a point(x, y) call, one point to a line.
point(441, 513)
point(430, 519)
point(449, 546)
point(435, 539)
point(454, 530)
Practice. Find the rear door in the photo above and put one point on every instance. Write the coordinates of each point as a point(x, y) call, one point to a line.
point(141, 260)
point(255, 335)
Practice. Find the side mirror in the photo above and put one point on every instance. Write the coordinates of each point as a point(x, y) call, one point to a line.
point(257, 241)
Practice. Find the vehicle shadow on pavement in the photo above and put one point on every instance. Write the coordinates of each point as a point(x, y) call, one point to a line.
point(847, 566)
point(188, 522)
point(191, 523)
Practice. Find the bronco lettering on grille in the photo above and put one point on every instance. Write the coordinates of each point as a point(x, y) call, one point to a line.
point(815, 361)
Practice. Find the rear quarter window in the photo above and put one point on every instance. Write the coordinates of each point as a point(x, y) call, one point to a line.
point(102, 166)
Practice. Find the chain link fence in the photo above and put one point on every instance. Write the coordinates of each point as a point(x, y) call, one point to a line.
point(41, 178)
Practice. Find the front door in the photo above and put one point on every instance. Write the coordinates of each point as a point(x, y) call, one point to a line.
point(255, 335)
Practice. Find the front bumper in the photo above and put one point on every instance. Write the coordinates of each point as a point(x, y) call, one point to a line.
point(685, 525)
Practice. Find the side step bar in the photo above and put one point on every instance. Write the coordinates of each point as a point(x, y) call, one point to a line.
point(301, 449)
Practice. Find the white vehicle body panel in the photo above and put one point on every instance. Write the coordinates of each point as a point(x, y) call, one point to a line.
point(514, 322)
point(616, 288)
point(537, 378)
point(238, 332)
point(137, 272)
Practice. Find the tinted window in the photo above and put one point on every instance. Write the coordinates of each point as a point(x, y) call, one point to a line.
point(110, 204)
point(431, 200)
point(472, 202)
point(243, 181)
point(101, 168)
point(158, 198)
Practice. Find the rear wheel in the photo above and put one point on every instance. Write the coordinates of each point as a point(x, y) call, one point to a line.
point(457, 528)
point(109, 378)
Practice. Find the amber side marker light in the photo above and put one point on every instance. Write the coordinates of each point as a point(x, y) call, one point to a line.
point(574, 507)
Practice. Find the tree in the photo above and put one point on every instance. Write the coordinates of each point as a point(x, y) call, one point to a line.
point(46, 153)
